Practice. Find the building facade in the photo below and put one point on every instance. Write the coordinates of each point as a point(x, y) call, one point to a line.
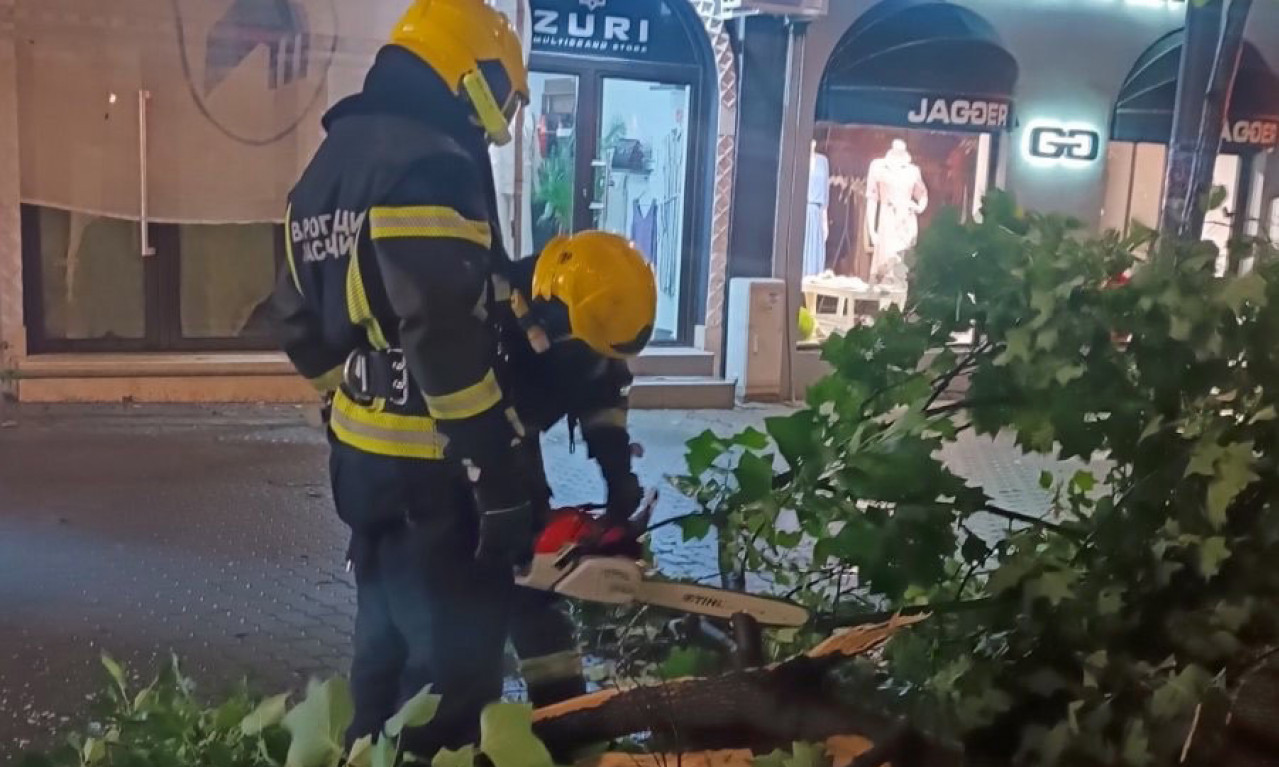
point(147, 147)
point(896, 108)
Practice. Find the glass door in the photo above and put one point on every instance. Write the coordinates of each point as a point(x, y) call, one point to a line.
point(641, 181)
point(550, 157)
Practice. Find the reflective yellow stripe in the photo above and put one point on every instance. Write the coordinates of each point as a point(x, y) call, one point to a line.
point(468, 402)
point(430, 221)
point(401, 436)
point(329, 381)
point(614, 417)
point(551, 668)
point(357, 304)
point(288, 247)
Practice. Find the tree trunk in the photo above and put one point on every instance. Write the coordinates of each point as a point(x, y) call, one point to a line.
point(757, 709)
point(1209, 59)
point(1198, 48)
point(1221, 84)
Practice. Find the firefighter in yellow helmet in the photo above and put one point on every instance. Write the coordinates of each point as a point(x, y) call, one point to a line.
point(580, 309)
point(392, 246)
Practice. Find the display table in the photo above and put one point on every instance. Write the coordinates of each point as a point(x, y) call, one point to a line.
point(841, 303)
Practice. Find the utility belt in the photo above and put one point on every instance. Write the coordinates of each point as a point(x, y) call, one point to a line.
point(372, 375)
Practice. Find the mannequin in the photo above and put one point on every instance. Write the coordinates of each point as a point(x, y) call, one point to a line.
point(817, 226)
point(895, 196)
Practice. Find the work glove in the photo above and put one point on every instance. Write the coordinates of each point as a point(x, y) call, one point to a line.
point(507, 536)
point(624, 497)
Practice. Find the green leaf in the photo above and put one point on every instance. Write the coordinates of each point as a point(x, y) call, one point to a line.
point(361, 754)
point(1067, 373)
point(975, 550)
point(1136, 748)
point(1084, 480)
point(1249, 288)
point(116, 672)
point(463, 757)
point(1179, 327)
point(1179, 693)
point(695, 527)
point(1046, 479)
point(93, 751)
point(1267, 413)
point(1203, 461)
point(269, 713)
point(777, 758)
point(702, 452)
point(1110, 601)
point(754, 476)
point(315, 742)
point(1212, 553)
point(1233, 474)
point(685, 662)
point(1053, 586)
point(1214, 198)
point(384, 753)
point(794, 435)
point(751, 438)
point(415, 712)
point(806, 755)
point(507, 739)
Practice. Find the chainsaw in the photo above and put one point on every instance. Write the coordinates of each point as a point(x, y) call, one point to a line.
point(582, 556)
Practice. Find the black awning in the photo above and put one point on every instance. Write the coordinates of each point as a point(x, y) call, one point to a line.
point(1144, 109)
point(923, 64)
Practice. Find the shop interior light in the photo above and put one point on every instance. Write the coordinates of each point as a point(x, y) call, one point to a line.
point(111, 98)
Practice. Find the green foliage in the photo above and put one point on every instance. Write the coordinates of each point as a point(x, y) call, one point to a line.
point(164, 725)
point(1091, 636)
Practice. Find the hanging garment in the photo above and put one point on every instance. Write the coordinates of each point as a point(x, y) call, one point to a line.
point(644, 229)
point(901, 196)
point(815, 225)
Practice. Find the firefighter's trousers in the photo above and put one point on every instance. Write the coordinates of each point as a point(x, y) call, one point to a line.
point(427, 612)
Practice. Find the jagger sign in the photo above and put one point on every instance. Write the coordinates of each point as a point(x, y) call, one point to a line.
point(1251, 132)
point(973, 113)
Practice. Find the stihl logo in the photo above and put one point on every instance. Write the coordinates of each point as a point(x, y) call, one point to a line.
point(702, 600)
point(1049, 142)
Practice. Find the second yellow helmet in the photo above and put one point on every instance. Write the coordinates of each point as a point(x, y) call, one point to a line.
point(476, 51)
point(606, 287)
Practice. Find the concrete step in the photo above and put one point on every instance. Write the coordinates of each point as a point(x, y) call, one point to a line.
point(682, 393)
point(673, 361)
point(267, 377)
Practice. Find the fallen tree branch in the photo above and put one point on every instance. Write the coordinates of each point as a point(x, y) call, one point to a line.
point(776, 705)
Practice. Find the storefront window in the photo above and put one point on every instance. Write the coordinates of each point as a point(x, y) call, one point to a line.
point(91, 276)
point(1134, 194)
point(227, 276)
point(550, 165)
point(641, 180)
point(871, 191)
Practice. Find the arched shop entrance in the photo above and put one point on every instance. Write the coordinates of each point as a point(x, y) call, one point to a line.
point(617, 137)
point(910, 112)
point(1246, 167)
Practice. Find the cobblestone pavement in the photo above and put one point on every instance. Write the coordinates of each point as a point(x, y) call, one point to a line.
point(208, 532)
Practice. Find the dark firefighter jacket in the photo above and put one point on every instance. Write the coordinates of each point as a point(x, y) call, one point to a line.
point(392, 242)
point(568, 380)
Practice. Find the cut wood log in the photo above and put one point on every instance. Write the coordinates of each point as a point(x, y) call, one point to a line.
point(777, 705)
point(841, 749)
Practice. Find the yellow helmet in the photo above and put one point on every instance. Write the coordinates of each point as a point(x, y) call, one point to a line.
point(476, 51)
point(605, 286)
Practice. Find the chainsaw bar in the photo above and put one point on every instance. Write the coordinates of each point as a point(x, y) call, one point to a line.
point(719, 603)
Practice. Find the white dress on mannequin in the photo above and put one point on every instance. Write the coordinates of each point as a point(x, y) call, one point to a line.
point(815, 227)
point(895, 196)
